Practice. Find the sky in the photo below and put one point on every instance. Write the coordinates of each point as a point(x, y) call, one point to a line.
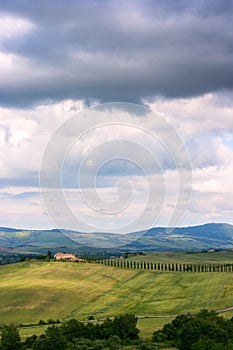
point(168, 64)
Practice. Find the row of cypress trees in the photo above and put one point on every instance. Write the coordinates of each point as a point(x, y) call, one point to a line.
point(156, 266)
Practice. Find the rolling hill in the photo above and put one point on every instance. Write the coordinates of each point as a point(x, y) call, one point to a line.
point(206, 236)
point(34, 290)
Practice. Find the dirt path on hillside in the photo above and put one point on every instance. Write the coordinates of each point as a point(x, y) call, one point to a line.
point(158, 316)
point(224, 310)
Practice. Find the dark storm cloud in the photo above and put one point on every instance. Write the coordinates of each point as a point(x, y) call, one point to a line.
point(118, 50)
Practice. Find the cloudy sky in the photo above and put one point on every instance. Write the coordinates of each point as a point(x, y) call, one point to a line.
point(173, 57)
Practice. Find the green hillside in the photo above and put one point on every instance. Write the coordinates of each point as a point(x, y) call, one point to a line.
point(31, 291)
point(33, 238)
point(155, 239)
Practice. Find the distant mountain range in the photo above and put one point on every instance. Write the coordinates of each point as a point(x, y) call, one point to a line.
point(200, 237)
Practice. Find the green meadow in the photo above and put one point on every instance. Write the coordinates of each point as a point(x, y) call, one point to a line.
point(31, 291)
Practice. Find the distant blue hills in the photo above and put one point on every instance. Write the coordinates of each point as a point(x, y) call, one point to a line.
point(207, 236)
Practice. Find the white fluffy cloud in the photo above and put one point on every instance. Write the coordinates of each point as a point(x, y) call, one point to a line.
point(24, 135)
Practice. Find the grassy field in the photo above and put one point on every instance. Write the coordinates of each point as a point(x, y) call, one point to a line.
point(147, 326)
point(29, 331)
point(222, 257)
point(31, 291)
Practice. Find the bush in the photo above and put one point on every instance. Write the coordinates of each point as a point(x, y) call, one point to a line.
point(114, 343)
point(41, 323)
point(90, 318)
point(147, 346)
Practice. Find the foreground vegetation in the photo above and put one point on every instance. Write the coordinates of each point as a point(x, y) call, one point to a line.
point(73, 334)
point(146, 327)
point(204, 331)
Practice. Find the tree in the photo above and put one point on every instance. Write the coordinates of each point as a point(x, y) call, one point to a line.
point(29, 341)
point(10, 338)
point(73, 329)
point(49, 255)
point(124, 326)
point(53, 339)
point(106, 329)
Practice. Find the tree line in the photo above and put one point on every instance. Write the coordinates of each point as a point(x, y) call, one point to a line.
point(73, 334)
point(157, 266)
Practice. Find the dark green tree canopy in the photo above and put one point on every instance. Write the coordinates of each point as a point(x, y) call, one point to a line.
point(204, 331)
point(10, 338)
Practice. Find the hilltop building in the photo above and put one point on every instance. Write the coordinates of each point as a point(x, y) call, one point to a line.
point(65, 256)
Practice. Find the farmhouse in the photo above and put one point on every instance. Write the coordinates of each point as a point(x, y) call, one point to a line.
point(64, 256)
